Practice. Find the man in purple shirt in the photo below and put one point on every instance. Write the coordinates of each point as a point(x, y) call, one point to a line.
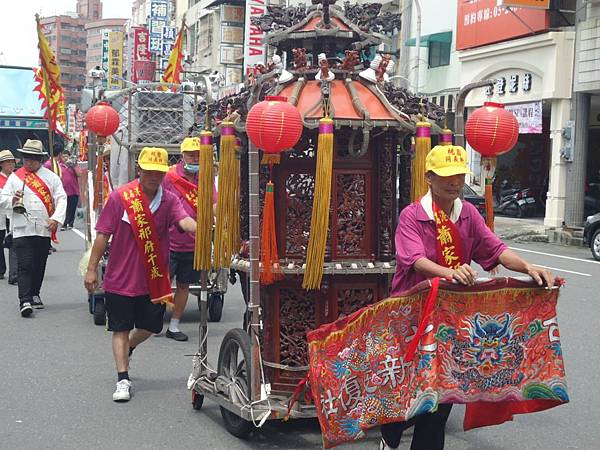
point(70, 181)
point(126, 280)
point(182, 181)
point(417, 259)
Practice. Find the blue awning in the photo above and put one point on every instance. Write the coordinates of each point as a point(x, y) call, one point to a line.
point(445, 36)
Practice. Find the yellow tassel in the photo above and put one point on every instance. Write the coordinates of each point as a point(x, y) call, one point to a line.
point(233, 237)
point(446, 137)
point(204, 210)
point(319, 223)
point(227, 222)
point(418, 185)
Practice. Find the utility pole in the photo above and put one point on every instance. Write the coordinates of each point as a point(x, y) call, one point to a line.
point(576, 171)
point(418, 44)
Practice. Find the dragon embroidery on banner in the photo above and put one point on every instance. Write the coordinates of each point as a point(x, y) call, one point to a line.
point(491, 355)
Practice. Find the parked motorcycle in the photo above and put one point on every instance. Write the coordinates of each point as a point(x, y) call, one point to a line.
point(521, 203)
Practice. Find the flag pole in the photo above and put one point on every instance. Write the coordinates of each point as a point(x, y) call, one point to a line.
point(47, 93)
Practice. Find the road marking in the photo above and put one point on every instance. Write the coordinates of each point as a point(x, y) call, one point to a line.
point(555, 256)
point(78, 233)
point(563, 270)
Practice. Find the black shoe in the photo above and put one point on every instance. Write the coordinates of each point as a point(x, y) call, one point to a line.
point(1, 276)
point(12, 281)
point(177, 335)
point(26, 309)
point(37, 302)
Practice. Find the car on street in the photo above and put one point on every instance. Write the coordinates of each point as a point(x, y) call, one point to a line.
point(469, 195)
point(591, 234)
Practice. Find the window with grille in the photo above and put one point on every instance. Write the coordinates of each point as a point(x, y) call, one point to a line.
point(439, 54)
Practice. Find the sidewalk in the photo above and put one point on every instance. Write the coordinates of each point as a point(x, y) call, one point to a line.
point(533, 230)
point(514, 229)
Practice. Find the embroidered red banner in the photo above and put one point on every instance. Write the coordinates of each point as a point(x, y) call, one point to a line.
point(188, 190)
point(147, 239)
point(41, 190)
point(492, 345)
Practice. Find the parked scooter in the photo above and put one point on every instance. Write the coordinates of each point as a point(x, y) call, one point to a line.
point(521, 203)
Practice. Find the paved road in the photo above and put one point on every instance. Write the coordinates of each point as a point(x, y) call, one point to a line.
point(58, 376)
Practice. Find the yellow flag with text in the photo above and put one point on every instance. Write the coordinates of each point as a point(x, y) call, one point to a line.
point(47, 78)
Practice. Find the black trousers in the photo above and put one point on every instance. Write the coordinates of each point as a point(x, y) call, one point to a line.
point(429, 432)
point(2, 258)
point(32, 253)
point(72, 201)
point(12, 257)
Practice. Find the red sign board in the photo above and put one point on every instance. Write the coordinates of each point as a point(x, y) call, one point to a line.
point(141, 38)
point(482, 22)
point(143, 71)
point(143, 68)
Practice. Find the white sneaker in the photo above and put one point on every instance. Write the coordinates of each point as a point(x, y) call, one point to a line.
point(122, 394)
point(384, 446)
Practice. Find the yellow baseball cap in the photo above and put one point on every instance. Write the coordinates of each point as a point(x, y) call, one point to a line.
point(447, 160)
point(190, 144)
point(154, 158)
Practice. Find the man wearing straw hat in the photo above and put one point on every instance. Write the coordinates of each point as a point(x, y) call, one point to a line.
point(7, 166)
point(182, 181)
point(439, 236)
point(136, 282)
point(42, 205)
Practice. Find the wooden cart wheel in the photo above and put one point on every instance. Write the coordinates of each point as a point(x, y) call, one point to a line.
point(234, 365)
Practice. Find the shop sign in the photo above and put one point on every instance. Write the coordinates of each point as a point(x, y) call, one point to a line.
point(538, 4)
point(529, 116)
point(105, 34)
point(484, 22)
point(233, 76)
point(231, 54)
point(254, 44)
point(115, 59)
point(159, 13)
point(232, 14)
point(512, 84)
point(140, 44)
point(144, 71)
point(232, 34)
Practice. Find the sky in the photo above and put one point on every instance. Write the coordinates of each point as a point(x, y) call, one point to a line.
point(18, 39)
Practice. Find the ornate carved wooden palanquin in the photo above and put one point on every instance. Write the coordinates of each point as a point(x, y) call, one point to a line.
point(372, 120)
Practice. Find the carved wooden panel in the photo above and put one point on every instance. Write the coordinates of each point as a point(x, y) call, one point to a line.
point(350, 219)
point(350, 299)
point(299, 191)
point(290, 311)
point(297, 314)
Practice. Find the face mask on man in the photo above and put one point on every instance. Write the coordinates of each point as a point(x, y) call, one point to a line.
point(192, 168)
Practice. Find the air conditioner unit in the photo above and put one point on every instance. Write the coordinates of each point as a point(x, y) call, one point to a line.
point(161, 117)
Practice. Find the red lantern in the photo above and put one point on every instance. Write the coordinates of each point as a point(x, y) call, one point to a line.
point(274, 125)
point(102, 119)
point(492, 130)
